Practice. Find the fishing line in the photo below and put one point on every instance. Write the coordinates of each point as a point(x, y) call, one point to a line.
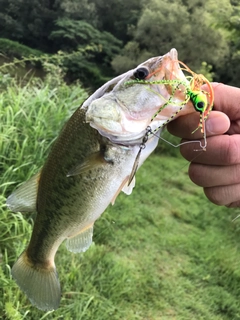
point(235, 218)
point(183, 143)
point(201, 100)
point(203, 147)
point(188, 163)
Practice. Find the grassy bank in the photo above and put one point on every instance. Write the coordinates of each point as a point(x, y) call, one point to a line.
point(163, 252)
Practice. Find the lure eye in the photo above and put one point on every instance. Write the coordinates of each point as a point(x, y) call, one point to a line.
point(200, 102)
point(141, 73)
point(200, 106)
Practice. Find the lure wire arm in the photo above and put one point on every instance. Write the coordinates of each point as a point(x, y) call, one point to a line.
point(141, 147)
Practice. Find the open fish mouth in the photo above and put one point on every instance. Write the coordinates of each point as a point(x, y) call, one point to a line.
point(176, 70)
point(122, 109)
point(165, 67)
point(173, 54)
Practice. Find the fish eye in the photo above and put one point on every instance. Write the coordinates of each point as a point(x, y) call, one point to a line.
point(141, 73)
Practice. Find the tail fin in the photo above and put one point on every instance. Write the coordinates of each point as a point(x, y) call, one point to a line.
point(41, 285)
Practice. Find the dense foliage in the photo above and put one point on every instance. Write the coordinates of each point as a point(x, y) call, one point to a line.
point(113, 36)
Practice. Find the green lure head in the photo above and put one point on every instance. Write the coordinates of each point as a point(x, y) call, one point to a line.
point(199, 100)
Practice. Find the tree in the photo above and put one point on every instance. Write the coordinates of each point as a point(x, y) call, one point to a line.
point(186, 25)
point(230, 70)
point(117, 16)
point(95, 48)
point(28, 21)
point(65, 25)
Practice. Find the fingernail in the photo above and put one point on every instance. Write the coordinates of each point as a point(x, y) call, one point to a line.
point(218, 124)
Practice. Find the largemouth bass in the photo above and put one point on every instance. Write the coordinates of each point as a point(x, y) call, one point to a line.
point(89, 164)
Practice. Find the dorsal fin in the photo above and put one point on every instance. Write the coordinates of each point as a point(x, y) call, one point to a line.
point(24, 198)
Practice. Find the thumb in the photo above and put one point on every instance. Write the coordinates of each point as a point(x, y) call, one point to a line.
point(235, 127)
point(227, 100)
point(217, 123)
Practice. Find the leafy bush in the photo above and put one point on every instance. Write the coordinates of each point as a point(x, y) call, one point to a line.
point(11, 48)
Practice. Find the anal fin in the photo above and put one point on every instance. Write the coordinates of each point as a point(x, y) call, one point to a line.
point(80, 242)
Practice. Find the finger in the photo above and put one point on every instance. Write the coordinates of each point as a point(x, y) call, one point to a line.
point(212, 176)
point(234, 128)
point(221, 150)
point(235, 204)
point(227, 100)
point(217, 123)
point(223, 195)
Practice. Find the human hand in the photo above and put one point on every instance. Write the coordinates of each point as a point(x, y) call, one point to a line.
point(217, 169)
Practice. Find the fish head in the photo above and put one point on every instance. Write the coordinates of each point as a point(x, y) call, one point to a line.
point(125, 106)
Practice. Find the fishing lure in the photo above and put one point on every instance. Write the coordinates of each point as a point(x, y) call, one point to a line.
point(199, 97)
point(202, 102)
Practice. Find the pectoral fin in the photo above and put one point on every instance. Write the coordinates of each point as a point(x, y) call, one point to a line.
point(24, 198)
point(80, 242)
point(128, 188)
point(91, 162)
point(125, 187)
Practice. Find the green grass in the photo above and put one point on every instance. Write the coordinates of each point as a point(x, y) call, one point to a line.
point(164, 252)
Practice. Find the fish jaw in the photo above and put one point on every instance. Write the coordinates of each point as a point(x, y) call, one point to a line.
point(125, 110)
